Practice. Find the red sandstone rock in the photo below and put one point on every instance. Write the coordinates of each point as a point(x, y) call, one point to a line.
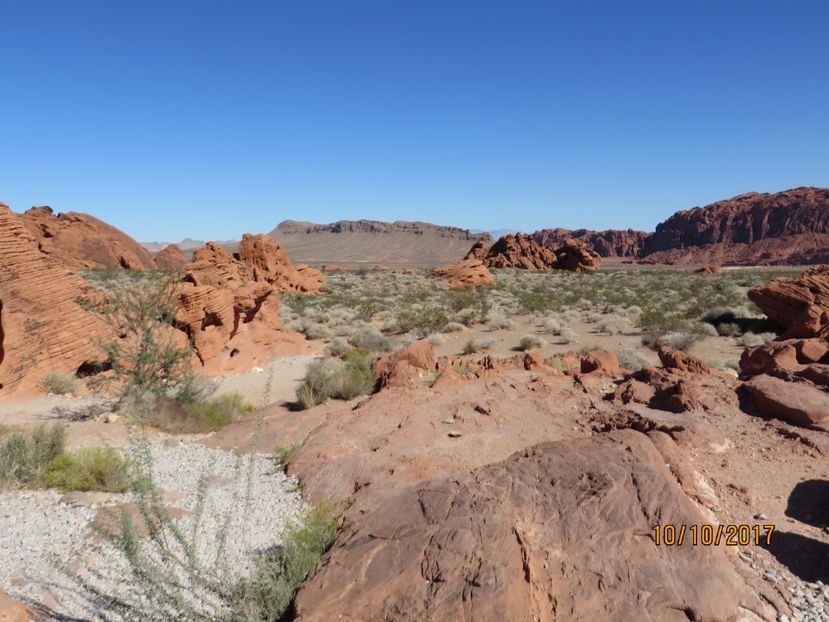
point(14, 611)
point(600, 363)
point(708, 270)
point(466, 273)
point(672, 358)
point(478, 251)
point(171, 258)
point(800, 404)
point(788, 354)
point(554, 528)
point(83, 241)
point(800, 306)
point(610, 243)
point(333, 268)
point(406, 366)
point(271, 264)
point(577, 257)
point(519, 251)
point(42, 326)
point(787, 227)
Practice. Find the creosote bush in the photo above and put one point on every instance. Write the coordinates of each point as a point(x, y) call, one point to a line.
point(24, 456)
point(59, 383)
point(345, 379)
point(474, 346)
point(530, 342)
point(90, 468)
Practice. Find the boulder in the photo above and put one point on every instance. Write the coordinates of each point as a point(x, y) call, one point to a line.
point(171, 258)
point(519, 251)
point(800, 305)
point(671, 358)
point(14, 611)
point(561, 530)
point(601, 363)
point(42, 325)
point(406, 366)
point(466, 273)
point(788, 354)
point(801, 404)
point(577, 257)
point(83, 241)
point(478, 251)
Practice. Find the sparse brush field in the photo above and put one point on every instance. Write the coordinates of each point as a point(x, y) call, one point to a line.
point(632, 311)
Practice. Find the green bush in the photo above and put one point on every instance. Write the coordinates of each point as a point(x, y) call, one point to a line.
point(344, 380)
point(25, 455)
point(220, 411)
point(59, 383)
point(90, 468)
point(422, 321)
point(276, 577)
point(474, 346)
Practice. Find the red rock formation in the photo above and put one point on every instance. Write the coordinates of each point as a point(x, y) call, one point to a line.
point(554, 528)
point(708, 270)
point(171, 258)
point(83, 241)
point(406, 366)
point(800, 306)
point(576, 257)
point(671, 358)
point(788, 354)
point(600, 362)
point(798, 403)
point(466, 273)
point(610, 243)
point(787, 227)
point(42, 327)
point(478, 251)
point(271, 264)
point(519, 251)
point(232, 316)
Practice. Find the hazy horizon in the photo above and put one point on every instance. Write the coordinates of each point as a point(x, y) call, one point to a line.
point(209, 120)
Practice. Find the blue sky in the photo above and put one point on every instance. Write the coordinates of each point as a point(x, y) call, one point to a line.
point(207, 119)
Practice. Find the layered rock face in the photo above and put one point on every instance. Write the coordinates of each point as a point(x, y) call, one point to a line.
point(83, 241)
point(231, 310)
point(523, 252)
point(531, 538)
point(270, 264)
point(466, 273)
point(609, 243)
point(171, 258)
point(755, 228)
point(42, 327)
point(800, 306)
point(289, 227)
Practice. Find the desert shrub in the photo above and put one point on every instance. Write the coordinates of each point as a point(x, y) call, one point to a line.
point(474, 346)
point(195, 389)
point(703, 329)
point(614, 326)
point(630, 358)
point(568, 335)
point(59, 383)
point(90, 468)
point(436, 339)
point(530, 342)
point(454, 327)
point(497, 321)
point(283, 454)
point(539, 298)
point(337, 346)
point(552, 326)
point(729, 329)
point(370, 338)
point(680, 340)
point(269, 592)
point(656, 323)
point(343, 380)
point(24, 456)
point(750, 340)
point(422, 321)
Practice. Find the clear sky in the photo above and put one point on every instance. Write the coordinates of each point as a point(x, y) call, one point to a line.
point(207, 119)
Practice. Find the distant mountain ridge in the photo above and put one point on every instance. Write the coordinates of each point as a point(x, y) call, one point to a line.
point(609, 243)
point(361, 242)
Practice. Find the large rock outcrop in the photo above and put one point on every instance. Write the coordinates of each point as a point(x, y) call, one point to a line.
point(610, 243)
point(270, 264)
point(790, 227)
point(523, 252)
point(231, 315)
point(171, 258)
point(800, 306)
point(83, 241)
point(466, 273)
point(42, 326)
point(557, 531)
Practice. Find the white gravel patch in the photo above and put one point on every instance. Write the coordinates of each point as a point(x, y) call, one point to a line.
point(36, 528)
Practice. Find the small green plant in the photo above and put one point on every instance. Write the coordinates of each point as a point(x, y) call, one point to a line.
point(24, 456)
point(276, 577)
point(339, 380)
point(283, 454)
point(90, 468)
point(59, 383)
point(422, 321)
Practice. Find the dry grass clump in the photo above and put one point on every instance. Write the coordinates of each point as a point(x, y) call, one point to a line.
point(750, 340)
point(24, 456)
point(473, 346)
point(59, 383)
point(344, 379)
point(630, 358)
point(531, 342)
